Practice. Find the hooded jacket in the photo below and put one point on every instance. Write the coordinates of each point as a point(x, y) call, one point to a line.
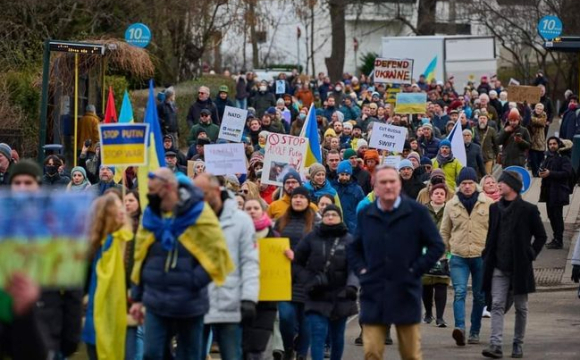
point(195, 112)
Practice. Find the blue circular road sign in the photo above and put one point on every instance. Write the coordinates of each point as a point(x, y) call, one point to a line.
point(138, 34)
point(550, 27)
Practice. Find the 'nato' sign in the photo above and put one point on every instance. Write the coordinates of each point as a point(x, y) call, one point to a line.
point(550, 27)
point(138, 34)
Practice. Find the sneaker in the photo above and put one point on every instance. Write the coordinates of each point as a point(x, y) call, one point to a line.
point(440, 323)
point(278, 355)
point(459, 336)
point(517, 351)
point(358, 341)
point(388, 340)
point(493, 351)
point(554, 245)
point(428, 319)
point(486, 314)
point(473, 339)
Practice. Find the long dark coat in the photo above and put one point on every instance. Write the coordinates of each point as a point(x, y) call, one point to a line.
point(527, 224)
point(389, 245)
point(555, 189)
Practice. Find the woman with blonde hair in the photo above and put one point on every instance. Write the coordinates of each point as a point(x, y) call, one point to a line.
point(250, 190)
point(106, 321)
point(489, 187)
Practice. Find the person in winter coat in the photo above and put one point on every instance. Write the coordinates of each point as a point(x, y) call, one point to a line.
point(88, 128)
point(263, 99)
point(319, 185)
point(271, 123)
point(204, 123)
point(79, 180)
point(169, 144)
point(448, 163)
point(105, 324)
point(222, 100)
point(349, 194)
point(330, 284)
point(304, 94)
point(570, 124)
point(52, 177)
point(509, 253)
point(180, 248)
point(473, 154)
point(555, 191)
point(487, 137)
point(388, 257)
point(167, 112)
point(236, 300)
point(360, 175)
point(515, 140)
point(242, 93)
point(296, 222)
point(429, 143)
point(437, 177)
point(257, 333)
point(411, 183)
point(435, 282)
point(350, 110)
point(106, 181)
point(488, 185)
point(538, 138)
point(464, 228)
point(203, 102)
point(279, 207)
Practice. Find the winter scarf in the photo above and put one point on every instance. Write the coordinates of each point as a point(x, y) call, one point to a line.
point(262, 223)
point(442, 160)
point(468, 202)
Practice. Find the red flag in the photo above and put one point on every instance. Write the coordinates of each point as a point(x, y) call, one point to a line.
point(110, 111)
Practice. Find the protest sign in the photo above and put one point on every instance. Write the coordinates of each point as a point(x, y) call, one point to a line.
point(287, 116)
point(190, 168)
point(124, 144)
point(233, 122)
point(392, 95)
point(411, 103)
point(44, 235)
point(393, 71)
point(392, 160)
point(225, 159)
point(282, 153)
point(280, 87)
point(388, 137)
point(531, 94)
point(275, 272)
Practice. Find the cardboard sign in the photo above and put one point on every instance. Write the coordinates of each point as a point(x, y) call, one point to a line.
point(232, 126)
point(275, 271)
point(190, 168)
point(392, 160)
point(280, 87)
point(44, 235)
point(519, 94)
point(124, 144)
point(411, 103)
point(282, 153)
point(225, 159)
point(388, 137)
point(393, 71)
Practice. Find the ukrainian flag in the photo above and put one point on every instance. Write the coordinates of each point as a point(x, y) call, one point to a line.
point(126, 116)
point(310, 131)
point(430, 70)
point(156, 153)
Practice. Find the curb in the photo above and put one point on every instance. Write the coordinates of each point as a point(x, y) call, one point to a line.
point(558, 288)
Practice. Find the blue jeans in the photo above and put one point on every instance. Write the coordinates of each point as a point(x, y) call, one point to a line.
point(134, 343)
point(460, 269)
point(293, 322)
point(320, 327)
point(228, 337)
point(189, 333)
point(242, 104)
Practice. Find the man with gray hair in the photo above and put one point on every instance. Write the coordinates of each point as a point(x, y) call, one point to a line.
point(484, 104)
point(202, 102)
point(88, 129)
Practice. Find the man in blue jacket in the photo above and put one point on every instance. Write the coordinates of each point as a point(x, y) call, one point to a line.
point(349, 193)
point(387, 255)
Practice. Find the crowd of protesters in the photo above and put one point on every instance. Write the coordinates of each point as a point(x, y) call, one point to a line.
point(192, 265)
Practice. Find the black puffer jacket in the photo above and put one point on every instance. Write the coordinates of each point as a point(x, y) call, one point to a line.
point(333, 298)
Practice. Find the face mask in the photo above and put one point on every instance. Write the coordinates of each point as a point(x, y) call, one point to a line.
point(262, 88)
point(302, 116)
point(338, 88)
point(51, 169)
point(154, 201)
point(572, 106)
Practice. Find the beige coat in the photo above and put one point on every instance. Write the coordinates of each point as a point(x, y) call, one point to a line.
point(464, 235)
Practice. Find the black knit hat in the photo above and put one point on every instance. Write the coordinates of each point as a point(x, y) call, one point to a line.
point(301, 190)
point(332, 207)
point(26, 167)
point(512, 179)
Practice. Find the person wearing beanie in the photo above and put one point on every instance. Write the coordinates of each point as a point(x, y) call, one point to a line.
point(52, 177)
point(437, 176)
point(427, 166)
point(411, 184)
point(569, 124)
point(464, 230)
point(26, 176)
point(435, 282)
point(556, 173)
point(372, 160)
point(298, 220)
point(6, 163)
point(415, 159)
point(516, 237)
point(349, 192)
point(319, 185)
point(361, 145)
point(428, 141)
point(360, 175)
point(328, 135)
point(106, 181)
point(448, 163)
point(290, 181)
point(356, 136)
point(328, 303)
point(79, 181)
point(515, 140)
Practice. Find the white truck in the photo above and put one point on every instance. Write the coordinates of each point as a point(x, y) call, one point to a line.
point(467, 58)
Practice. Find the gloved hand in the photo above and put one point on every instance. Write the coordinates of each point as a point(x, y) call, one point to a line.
point(248, 311)
point(351, 293)
point(576, 273)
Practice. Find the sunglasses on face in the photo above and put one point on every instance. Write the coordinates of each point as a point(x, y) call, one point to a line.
point(152, 176)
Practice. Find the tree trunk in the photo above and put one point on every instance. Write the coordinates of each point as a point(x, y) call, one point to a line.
point(252, 17)
point(426, 17)
point(335, 63)
point(312, 38)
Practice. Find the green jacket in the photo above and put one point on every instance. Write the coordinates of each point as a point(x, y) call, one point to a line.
point(211, 129)
point(5, 307)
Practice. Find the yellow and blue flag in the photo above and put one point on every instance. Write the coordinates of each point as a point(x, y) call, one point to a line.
point(411, 103)
point(310, 131)
point(126, 115)
point(156, 153)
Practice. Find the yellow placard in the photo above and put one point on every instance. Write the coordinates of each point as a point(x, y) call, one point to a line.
point(275, 271)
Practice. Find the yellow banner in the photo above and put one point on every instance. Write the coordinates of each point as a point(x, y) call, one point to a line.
point(120, 155)
point(275, 272)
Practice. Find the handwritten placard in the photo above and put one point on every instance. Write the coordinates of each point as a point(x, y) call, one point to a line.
point(225, 159)
point(275, 270)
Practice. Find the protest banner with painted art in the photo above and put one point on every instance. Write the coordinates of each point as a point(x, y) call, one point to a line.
point(282, 152)
point(45, 236)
